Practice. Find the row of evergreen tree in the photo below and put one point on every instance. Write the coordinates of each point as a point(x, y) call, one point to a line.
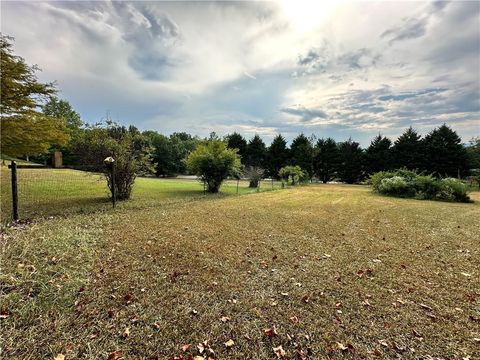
point(440, 153)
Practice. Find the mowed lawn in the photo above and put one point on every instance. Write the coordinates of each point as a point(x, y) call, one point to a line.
point(50, 192)
point(325, 271)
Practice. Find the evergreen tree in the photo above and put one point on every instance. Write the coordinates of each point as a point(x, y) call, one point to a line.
point(237, 141)
point(277, 155)
point(327, 158)
point(445, 154)
point(378, 155)
point(350, 169)
point(473, 154)
point(301, 153)
point(407, 151)
point(256, 152)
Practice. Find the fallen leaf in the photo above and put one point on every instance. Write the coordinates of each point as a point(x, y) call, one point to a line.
point(341, 346)
point(229, 343)
point(377, 352)
point(126, 333)
point(383, 343)
point(194, 312)
point(294, 319)
point(114, 355)
point(224, 319)
point(270, 332)
point(279, 351)
point(186, 347)
point(59, 357)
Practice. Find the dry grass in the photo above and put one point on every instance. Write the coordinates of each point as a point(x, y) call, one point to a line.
point(385, 277)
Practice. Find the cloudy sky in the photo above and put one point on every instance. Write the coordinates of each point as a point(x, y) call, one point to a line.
point(332, 68)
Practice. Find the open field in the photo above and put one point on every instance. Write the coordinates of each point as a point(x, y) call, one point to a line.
point(47, 192)
point(331, 267)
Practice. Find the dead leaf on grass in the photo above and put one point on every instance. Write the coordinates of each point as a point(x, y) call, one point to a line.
point(114, 355)
point(279, 351)
point(186, 347)
point(126, 333)
point(294, 319)
point(229, 343)
point(224, 319)
point(59, 357)
point(270, 332)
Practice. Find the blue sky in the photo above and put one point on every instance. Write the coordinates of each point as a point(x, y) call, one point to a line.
point(331, 68)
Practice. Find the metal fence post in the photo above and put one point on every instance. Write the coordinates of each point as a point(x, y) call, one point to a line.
point(13, 166)
point(114, 191)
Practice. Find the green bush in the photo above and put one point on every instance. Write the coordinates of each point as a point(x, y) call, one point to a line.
point(452, 190)
point(292, 175)
point(213, 162)
point(409, 184)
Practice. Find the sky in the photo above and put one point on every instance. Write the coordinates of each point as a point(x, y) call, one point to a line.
point(330, 68)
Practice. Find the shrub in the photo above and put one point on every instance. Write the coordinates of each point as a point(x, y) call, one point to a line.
point(396, 185)
point(426, 187)
point(452, 190)
point(406, 183)
point(292, 175)
point(213, 162)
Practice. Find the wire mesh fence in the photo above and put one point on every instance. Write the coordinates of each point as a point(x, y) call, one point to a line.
point(44, 191)
point(47, 191)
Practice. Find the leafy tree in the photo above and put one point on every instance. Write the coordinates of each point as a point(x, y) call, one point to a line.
point(25, 130)
point(407, 151)
point(98, 142)
point(61, 109)
point(378, 155)
point(301, 154)
point(169, 153)
point(473, 153)
point(327, 158)
point(445, 154)
point(350, 169)
point(292, 174)
point(256, 152)
point(277, 155)
point(213, 162)
point(237, 141)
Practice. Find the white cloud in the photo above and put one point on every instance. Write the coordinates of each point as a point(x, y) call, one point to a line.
point(200, 66)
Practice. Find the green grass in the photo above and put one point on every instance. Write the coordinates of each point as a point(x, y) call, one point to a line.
point(50, 192)
point(385, 277)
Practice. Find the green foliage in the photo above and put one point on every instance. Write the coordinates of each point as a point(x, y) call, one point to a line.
point(350, 169)
point(277, 155)
point(406, 183)
point(292, 175)
point(169, 153)
point(237, 141)
point(61, 109)
point(25, 130)
point(452, 190)
point(444, 153)
point(378, 155)
point(126, 146)
point(256, 152)
point(213, 162)
point(301, 154)
point(407, 151)
point(327, 158)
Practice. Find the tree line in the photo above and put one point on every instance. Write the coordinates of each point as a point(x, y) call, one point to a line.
point(35, 122)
